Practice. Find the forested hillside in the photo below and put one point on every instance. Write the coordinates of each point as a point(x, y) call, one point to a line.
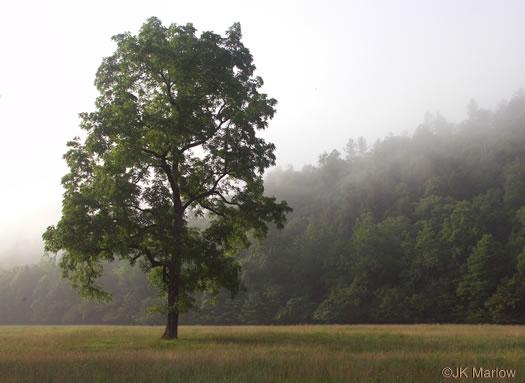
point(428, 228)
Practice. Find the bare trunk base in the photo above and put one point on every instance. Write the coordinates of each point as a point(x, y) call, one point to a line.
point(172, 326)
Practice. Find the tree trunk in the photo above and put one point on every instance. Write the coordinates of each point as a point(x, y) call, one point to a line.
point(172, 324)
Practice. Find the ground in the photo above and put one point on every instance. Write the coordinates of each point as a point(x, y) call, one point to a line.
point(368, 353)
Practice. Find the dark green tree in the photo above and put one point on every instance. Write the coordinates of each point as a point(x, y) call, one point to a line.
point(173, 136)
point(484, 270)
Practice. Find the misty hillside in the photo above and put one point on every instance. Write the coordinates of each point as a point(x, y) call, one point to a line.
point(428, 228)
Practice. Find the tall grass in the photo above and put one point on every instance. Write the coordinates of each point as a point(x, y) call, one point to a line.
point(412, 353)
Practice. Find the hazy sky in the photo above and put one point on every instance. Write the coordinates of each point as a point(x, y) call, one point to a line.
point(339, 69)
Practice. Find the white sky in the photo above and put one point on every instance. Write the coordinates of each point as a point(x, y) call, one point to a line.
point(339, 69)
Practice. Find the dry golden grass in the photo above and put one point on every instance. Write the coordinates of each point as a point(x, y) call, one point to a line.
point(364, 353)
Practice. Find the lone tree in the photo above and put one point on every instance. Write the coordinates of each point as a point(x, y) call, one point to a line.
point(173, 136)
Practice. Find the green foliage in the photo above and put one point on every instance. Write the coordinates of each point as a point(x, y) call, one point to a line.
point(423, 229)
point(174, 135)
point(484, 271)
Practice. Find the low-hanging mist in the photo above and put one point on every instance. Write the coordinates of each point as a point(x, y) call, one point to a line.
point(428, 228)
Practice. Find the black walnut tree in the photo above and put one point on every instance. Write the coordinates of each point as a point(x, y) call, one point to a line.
point(173, 136)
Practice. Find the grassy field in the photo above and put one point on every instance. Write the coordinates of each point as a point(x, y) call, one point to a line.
point(415, 353)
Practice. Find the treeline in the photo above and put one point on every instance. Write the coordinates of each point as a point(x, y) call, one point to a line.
point(428, 228)
point(36, 294)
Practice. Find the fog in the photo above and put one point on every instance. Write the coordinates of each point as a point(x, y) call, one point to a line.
point(338, 70)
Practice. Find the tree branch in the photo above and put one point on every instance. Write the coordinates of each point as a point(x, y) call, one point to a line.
point(174, 186)
point(204, 139)
point(150, 211)
point(148, 255)
point(91, 274)
point(153, 153)
point(206, 193)
point(226, 201)
point(157, 155)
point(169, 85)
point(213, 189)
point(213, 210)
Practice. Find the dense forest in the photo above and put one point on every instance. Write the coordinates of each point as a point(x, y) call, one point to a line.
point(428, 228)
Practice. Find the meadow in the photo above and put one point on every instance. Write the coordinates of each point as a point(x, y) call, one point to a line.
point(357, 353)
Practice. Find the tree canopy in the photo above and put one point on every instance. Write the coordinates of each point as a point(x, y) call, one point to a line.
point(173, 137)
